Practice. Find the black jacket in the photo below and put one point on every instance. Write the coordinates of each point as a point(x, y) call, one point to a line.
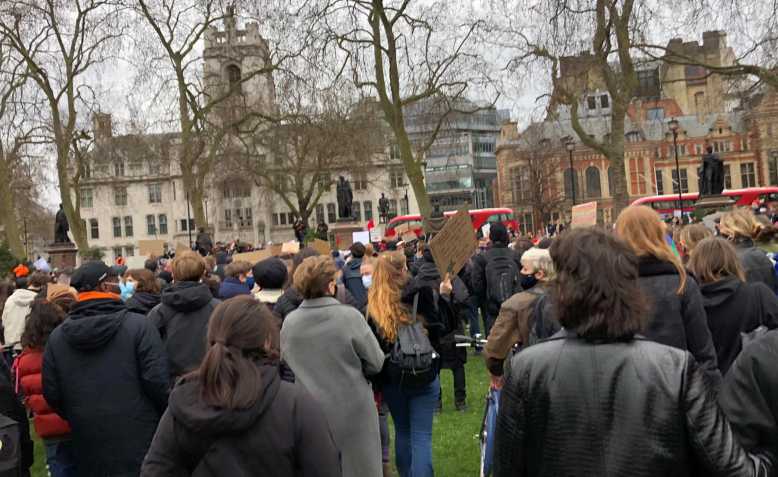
point(11, 407)
point(182, 321)
point(142, 302)
point(104, 371)
point(749, 394)
point(478, 274)
point(755, 263)
point(734, 307)
point(284, 434)
point(613, 408)
point(352, 279)
point(678, 320)
point(291, 300)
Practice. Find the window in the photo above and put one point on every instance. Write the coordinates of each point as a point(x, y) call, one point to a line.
point(772, 165)
point(604, 101)
point(155, 193)
point(727, 177)
point(655, 114)
point(248, 216)
point(610, 181)
point(239, 218)
point(325, 182)
point(86, 198)
point(117, 252)
point(155, 168)
point(684, 181)
point(283, 218)
point(637, 180)
point(747, 175)
point(233, 76)
point(521, 186)
point(482, 147)
point(320, 213)
point(744, 144)
point(593, 189)
point(274, 219)
point(128, 226)
point(368, 206)
point(228, 218)
point(404, 205)
point(87, 170)
point(331, 213)
point(660, 183)
point(118, 169)
point(698, 149)
point(394, 152)
point(360, 180)
point(136, 168)
point(591, 102)
point(356, 212)
point(117, 226)
point(162, 218)
point(397, 178)
point(699, 102)
point(151, 225)
point(648, 83)
point(571, 184)
point(392, 208)
point(183, 225)
point(129, 251)
point(120, 196)
point(94, 230)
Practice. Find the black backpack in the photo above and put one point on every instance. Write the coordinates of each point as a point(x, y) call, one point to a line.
point(413, 360)
point(544, 324)
point(10, 447)
point(502, 278)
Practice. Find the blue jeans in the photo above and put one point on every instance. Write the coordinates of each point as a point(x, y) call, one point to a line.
point(412, 412)
point(59, 458)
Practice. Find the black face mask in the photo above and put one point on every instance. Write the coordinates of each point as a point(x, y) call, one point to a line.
point(528, 281)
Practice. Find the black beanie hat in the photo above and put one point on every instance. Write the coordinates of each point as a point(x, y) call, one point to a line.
point(270, 273)
point(89, 275)
point(498, 233)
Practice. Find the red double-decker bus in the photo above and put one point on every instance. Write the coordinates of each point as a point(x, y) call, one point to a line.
point(665, 205)
point(478, 217)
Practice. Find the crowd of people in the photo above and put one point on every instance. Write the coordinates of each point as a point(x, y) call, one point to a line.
point(642, 350)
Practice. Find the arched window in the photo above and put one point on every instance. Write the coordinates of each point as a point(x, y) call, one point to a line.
point(610, 181)
point(233, 76)
point(593, 189)
point(569, 178)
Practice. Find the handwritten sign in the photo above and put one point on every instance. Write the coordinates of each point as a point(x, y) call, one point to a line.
point(343, 240)
point(362, 236)
point(453, 246)
point(321, 246)
point(252, 257)
point(584, 215)
point(291, 247)
point(151, 248)
point(275, 249)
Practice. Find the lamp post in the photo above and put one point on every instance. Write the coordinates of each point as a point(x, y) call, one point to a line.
point(188, 221)
point(673, 125)
point(570, 146)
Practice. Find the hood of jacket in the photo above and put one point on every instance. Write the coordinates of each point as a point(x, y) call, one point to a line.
point(187, 296)
point(716, 293)
point(187, 406)
point(93, 323)
point(143, 301)
point(351, 269)
point(427, 272)
point(648, 266)
point(22, 297)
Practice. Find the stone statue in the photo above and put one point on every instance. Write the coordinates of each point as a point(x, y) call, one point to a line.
point(61, 227)
point(345, 199)
point(712, 174)
point(383, 208)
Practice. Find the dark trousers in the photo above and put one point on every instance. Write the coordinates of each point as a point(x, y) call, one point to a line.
point(472, 316)
point(460, 385)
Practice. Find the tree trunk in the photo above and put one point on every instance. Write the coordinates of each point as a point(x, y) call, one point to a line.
point(619, 189)
point(77, 228)
point(414, 172)
point(8, 214)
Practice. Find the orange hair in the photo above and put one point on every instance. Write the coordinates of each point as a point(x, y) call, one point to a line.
point(643, 230)
point(384, 306)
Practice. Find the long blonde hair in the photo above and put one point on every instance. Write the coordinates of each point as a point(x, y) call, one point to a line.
point(642, 229)
point(741, 223)
point(384, 305)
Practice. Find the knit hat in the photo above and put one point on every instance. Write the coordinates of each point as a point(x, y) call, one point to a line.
point(59, 290)
point(89, 275)
point(270, 273)
point(498, 233)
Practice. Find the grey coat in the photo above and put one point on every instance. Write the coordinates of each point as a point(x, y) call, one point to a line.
point(330, 348)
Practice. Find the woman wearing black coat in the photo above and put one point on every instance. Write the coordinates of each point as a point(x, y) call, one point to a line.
point(674, 299)
point(741, 227)
point(235, 416)
point(732, 305)
point(146, 293)
point(596, 399)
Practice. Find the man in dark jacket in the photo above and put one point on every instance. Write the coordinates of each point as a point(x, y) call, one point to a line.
point(492, 287)
point(182, 317)
point(352, 276)
point(204, 243)
point(235, 283)
point(104, 370)
point(12, 408)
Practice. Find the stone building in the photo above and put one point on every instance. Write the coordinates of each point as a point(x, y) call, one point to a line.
point(132, 188)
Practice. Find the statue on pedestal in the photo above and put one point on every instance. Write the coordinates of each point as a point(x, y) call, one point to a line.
point(383, 208)
point(345, 199)
point(711, 174)
point(61, 227)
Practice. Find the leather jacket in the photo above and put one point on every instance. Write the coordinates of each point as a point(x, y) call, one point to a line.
point(611, 408)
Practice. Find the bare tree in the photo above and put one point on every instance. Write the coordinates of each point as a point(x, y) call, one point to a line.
point(60, 43)
point(408, 53)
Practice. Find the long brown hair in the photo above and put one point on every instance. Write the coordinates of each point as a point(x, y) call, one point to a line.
point(713, 259)
point(693, 234)
point(146, 280)
point(740, 224)
point(384, 305)
point(240, 331)
point(643, 230)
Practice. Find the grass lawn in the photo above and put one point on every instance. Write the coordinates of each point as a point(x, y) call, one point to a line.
point(455, 434)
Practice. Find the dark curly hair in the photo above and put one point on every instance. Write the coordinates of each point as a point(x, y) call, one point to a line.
point(43, 318)
point(596, 291)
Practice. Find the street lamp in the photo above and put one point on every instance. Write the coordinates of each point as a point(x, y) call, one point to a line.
point(570, 146)
point(674, 125)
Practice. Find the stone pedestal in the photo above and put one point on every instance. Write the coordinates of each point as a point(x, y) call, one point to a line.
point(712, 205)
point(62, 255)
point(341, 233)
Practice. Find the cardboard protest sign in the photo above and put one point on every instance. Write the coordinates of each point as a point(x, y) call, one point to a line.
point(343, 240)
point(275, 249)
point(321, 246)
point(584, 215)
point(290, 247)
point(485, 230)
point(136, 261)
point(362, 236)
point(151, 248)
point(453, 246)
point(402, 228)
point(409, 237)
point(375, 235)
point(252, 257)
point(181, 248)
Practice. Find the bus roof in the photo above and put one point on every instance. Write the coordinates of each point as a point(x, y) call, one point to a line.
point(495, 210)
point(696, 195)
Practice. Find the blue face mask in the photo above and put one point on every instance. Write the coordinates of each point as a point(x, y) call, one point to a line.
point(367, 280)
point(528, 281)
point(126, 289)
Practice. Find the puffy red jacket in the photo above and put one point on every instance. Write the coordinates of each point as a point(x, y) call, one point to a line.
point(29, 379)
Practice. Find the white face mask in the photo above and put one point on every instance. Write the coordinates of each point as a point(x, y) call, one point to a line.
point(367, 280)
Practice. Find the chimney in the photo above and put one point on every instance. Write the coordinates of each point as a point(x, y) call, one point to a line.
point(102, 125)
